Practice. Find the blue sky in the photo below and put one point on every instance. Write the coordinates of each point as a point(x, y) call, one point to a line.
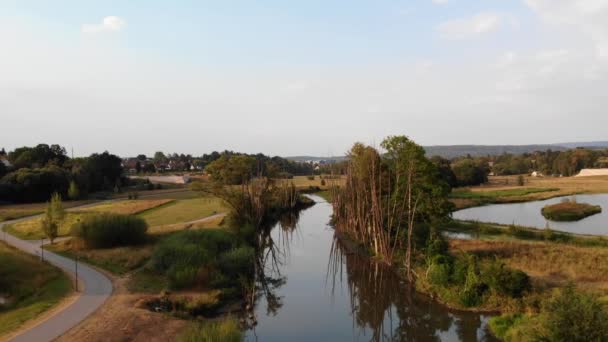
point(306, 77)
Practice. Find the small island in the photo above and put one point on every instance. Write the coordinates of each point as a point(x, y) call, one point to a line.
point(570, 211)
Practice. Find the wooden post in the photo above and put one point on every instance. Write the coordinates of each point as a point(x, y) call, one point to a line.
point(42, 249)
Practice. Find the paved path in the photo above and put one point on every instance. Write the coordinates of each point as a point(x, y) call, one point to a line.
point(97, 288)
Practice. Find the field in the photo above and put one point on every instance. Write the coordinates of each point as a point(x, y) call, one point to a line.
point(32, 287)
point(185, 210)
point(303, 182)
point(30, 229)
point(504, 189)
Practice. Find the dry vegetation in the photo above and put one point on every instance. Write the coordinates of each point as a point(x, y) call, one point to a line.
point(549, 263)
point(117, 260)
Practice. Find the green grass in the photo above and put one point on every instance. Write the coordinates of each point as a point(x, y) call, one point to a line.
point(32, 287)
point(489, 195)
point(570, 211)
point(227, 330)
point(184, 211)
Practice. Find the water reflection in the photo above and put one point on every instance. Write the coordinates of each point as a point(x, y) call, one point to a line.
point(309, 287)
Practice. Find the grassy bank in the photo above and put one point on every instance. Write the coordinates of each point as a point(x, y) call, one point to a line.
point(30, 287)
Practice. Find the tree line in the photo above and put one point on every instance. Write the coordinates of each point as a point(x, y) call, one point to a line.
point(38, 172)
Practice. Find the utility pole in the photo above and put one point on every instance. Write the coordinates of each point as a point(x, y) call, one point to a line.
point(76, 277)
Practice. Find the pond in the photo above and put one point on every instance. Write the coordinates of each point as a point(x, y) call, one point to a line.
point(528, 214)
point(314, 290)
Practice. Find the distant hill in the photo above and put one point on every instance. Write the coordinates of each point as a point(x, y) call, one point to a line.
point(587, 144)
point(452, 151)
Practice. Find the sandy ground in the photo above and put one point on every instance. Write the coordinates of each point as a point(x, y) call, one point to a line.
point(119, 319)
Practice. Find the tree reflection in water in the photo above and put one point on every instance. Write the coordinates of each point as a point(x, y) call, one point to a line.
point(381, 303)
point(382, 307)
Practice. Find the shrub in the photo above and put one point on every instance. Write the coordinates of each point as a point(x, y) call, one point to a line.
point(226, 331)
point(237, 261)
point(440, 270)
point(310, 178)
point(111, 230)
point(323, 182)
point(204, 257)
point(505, 280)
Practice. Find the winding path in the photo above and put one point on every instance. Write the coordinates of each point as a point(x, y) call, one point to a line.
point(94, 286)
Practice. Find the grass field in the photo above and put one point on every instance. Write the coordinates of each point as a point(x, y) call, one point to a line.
point(504, 189)
point(31, 286)
point(185, 210)
point(31, 230)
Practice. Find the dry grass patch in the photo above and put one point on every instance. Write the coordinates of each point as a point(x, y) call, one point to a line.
point(551, 263)
point(303, 182)
point(128, 207)
point(118, 260)
point(212, 222)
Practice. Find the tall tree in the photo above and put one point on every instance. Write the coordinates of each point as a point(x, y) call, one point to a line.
point(53, 217)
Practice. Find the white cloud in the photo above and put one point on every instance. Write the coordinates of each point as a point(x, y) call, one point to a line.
point(440, 2)
point(589, 18)
point(471, 27)
point(108, 24)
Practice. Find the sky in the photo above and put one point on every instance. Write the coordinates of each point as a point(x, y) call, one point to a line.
point(300, 77)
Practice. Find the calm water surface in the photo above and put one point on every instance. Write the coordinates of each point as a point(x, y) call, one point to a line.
point(313, 290)
point(528, 214)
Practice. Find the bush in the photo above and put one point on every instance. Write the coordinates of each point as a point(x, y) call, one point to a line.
point(574, 316)
point(440, 270)
point(226, 331)
point(506, 281)
point(111, 230)
point(204, 257)
point(311, 178)
point(237, 261)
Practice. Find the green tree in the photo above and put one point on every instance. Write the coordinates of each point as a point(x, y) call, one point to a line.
point(54, 215)
point(73, 192)
point(231, 170)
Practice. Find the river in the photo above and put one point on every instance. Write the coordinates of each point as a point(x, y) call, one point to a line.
point(314, 290)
